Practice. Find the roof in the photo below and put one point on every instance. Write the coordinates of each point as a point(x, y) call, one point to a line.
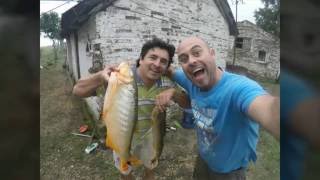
point(73, 18)
point(247, 22)
point(226, 12)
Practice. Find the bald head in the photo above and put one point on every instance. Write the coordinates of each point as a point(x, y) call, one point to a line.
point(191, 41)
point(198, 62)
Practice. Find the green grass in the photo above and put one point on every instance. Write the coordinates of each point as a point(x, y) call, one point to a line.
point(47, 56)
point(267, 165)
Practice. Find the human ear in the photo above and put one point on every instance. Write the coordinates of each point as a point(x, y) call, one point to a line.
point(212, 52)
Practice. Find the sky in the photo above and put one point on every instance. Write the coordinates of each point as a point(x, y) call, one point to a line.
point(246, 10)
point(59, 7)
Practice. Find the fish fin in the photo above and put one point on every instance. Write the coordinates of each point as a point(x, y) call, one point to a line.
point(111, 145)
point(123, 165)
point(111, 90)
point(134, 161)
point(109, 97)
point(154, 163)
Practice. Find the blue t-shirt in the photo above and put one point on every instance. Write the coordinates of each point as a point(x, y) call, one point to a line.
point(227, 137)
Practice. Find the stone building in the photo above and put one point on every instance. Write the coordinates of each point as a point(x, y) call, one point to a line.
point(257, 51)
point(100, 32)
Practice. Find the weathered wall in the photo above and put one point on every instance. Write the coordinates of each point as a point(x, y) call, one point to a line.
point(72, 54)
point(257, 40)
point(125, 26)
point(86, 34)
point(69, 58)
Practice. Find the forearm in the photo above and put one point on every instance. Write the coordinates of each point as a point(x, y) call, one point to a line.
point(271, 119)
point(85, 87)
point(266, 111)
point(274, 125)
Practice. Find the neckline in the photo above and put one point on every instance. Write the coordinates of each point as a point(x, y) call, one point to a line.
point(140, 81)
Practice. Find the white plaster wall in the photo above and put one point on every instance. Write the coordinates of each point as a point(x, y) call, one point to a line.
point(124, 27)
point(73, 55)
point(85, 35)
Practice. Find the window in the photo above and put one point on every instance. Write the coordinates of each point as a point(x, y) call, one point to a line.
point(262, 56)
point(239, 43)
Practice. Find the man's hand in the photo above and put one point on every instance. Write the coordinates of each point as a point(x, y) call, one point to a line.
point(106, 72)
point(86, 86)
point(164, 99)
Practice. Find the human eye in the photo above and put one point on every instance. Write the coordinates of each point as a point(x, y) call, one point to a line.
point(196, 53)
point(164, 61)
point(153, 58)
point(183, 59)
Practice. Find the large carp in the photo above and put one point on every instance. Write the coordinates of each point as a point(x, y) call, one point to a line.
point(119, 112)
point(153, 143)
point(120, 115)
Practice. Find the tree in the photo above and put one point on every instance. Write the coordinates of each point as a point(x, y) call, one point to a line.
point(50, 26)
point(268, 18)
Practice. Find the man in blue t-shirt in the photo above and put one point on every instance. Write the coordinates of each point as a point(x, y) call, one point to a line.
point(228, 109)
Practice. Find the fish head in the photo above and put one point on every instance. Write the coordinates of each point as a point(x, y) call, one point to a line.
point(125, 73)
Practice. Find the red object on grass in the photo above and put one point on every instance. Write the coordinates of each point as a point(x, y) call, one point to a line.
point(83, 128)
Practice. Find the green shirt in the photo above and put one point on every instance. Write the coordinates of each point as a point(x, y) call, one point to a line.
point(146, 102)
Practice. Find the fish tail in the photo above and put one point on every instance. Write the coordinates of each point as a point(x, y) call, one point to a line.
point(123, 165)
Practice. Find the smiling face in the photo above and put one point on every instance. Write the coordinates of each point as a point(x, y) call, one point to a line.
point(198, 62)
point(153, 65)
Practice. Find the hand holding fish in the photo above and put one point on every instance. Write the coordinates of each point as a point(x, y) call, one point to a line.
point(106, 72)
point(86, 86)
point(164, 99)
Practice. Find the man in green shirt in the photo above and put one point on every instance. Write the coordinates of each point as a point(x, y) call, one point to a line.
point(155, 58)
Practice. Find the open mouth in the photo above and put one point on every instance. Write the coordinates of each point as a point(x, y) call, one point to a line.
point(197, 72)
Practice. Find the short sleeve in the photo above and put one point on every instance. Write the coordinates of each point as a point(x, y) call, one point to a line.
point(245, 92)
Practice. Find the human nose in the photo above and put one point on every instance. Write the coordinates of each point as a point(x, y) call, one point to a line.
point(192, 60)
point(157, 63)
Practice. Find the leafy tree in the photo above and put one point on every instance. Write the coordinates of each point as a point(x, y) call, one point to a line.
point(268, 18)
point(50, 26)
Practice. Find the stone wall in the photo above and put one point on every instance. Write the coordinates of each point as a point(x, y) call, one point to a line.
point(124, 26)
point(255, 40)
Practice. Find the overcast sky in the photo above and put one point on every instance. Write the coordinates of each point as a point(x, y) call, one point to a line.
point(245, 11)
